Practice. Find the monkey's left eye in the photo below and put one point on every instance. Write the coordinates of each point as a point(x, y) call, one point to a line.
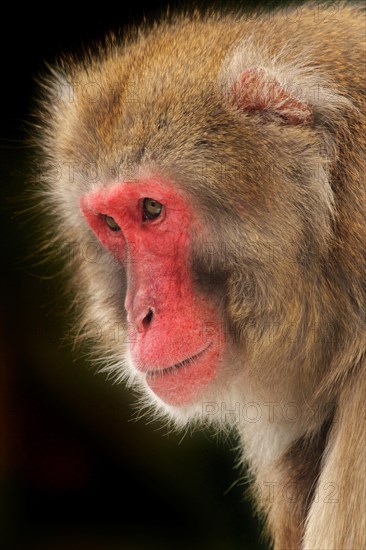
point(112, 224)
point(151, 209)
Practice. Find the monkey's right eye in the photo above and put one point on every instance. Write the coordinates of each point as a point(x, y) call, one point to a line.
point(111, 222)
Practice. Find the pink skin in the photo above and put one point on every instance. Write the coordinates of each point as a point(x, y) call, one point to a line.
point(247, 93)
point(155, 254)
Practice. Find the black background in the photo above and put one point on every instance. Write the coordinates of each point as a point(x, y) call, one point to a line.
point(75, 470)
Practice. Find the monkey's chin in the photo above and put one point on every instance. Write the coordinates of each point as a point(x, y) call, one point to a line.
point(180, 384)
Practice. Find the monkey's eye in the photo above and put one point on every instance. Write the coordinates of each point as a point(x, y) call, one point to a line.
point(112, 224)
point(151, 209)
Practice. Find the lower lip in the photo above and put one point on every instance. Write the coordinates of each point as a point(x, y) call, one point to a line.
point(180, 385)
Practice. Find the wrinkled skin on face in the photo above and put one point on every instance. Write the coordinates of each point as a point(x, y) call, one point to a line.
point(166, 315)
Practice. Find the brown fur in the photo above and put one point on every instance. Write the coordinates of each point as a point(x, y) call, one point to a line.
point(285, 208)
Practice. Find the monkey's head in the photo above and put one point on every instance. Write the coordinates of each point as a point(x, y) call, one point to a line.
point(190, 190)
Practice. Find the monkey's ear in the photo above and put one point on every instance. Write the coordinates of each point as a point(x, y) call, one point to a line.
point(256, 90)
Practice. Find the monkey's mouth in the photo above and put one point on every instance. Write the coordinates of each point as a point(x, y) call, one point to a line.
point(182, 383)
point(177, 366)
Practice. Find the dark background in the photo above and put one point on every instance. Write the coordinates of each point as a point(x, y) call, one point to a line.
point(76, 471)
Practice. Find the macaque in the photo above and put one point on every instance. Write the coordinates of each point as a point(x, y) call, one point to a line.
point(205, 177)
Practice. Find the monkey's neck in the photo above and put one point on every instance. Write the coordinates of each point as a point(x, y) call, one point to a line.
point(285, 483)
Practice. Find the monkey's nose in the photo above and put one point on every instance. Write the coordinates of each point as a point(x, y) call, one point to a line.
point(148, 318)
point(141, 321)
point(139, 311)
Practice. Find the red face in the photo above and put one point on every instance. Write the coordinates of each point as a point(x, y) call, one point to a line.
point(147, 226)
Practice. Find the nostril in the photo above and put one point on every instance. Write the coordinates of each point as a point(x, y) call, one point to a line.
point(147, 319)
